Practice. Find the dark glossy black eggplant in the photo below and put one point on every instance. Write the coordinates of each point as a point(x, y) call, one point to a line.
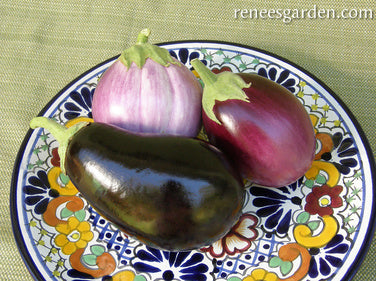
point(172, 193)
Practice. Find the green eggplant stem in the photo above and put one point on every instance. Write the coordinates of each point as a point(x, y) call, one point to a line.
point(219, 87)
point(143, 36)
point(206, 75)
point(142, 50)
point(61, 133)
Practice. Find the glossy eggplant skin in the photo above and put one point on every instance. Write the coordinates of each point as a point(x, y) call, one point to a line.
point(270, 138)
point(172, 193)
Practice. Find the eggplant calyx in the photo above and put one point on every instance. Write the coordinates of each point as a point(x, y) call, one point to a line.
point(219, 87)
point(61, 133)
point(143, 50)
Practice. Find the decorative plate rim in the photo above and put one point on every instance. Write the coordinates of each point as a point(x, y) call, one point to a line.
point(17, 233)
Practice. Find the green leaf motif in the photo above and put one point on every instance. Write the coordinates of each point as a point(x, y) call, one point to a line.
point(286, 267)
point(309, 183)
point(354, 209)
point(347, 220)
point(227, 60)
point(90, 259)
point(313, 225)
point(351, 230)
point(348, 183)
point(356, 191)
point(303, 218)
point(80, 215)
point(97, 250)
point(65, 213)
point(208, 57)
point(44, 147)
point(44, 137)
point(64, 178)
point(234, 279)
point(320, 179)
point(142, 278)
point(275, 262)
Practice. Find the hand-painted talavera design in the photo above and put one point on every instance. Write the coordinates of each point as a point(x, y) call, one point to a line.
point(304, 231)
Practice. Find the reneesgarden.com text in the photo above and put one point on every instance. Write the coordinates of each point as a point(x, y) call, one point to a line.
point(287, 15)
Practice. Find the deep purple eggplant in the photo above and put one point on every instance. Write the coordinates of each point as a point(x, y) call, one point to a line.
point(259, 124)
point(173, 193)
point(146, 90)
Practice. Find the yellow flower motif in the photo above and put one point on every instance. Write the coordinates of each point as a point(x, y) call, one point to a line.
point(326, 107)
point(315, 96)
point(302, 84)
point(125, 275)
point(73, 235)
point(260, 274)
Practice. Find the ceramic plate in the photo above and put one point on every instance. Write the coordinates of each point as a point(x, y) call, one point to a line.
point(317, 228)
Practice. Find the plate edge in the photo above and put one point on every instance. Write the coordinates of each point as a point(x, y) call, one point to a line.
point(371, 229)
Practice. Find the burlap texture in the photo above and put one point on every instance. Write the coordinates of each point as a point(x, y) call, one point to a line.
point(46, 44)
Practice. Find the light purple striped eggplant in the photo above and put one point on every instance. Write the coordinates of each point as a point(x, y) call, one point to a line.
point(148, 91)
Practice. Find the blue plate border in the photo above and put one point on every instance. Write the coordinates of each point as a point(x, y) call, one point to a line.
point(36, 274)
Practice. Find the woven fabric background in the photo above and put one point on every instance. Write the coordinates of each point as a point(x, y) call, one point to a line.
point(44, 44)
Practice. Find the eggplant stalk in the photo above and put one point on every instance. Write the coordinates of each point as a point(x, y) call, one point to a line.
point(61, 133)
point(143, 36)
point(219, 87)
point(172, 193)
point(143, 50)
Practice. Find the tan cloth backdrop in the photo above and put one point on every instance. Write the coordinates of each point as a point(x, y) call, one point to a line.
point(44, 44)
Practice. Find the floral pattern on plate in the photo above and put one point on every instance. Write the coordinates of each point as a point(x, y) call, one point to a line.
point(313, 229)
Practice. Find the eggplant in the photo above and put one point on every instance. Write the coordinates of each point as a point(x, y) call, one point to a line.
point(259, 124)
point(146, 90)
point(172, 193)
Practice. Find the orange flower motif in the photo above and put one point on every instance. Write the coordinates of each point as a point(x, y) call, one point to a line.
point(73, 235)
